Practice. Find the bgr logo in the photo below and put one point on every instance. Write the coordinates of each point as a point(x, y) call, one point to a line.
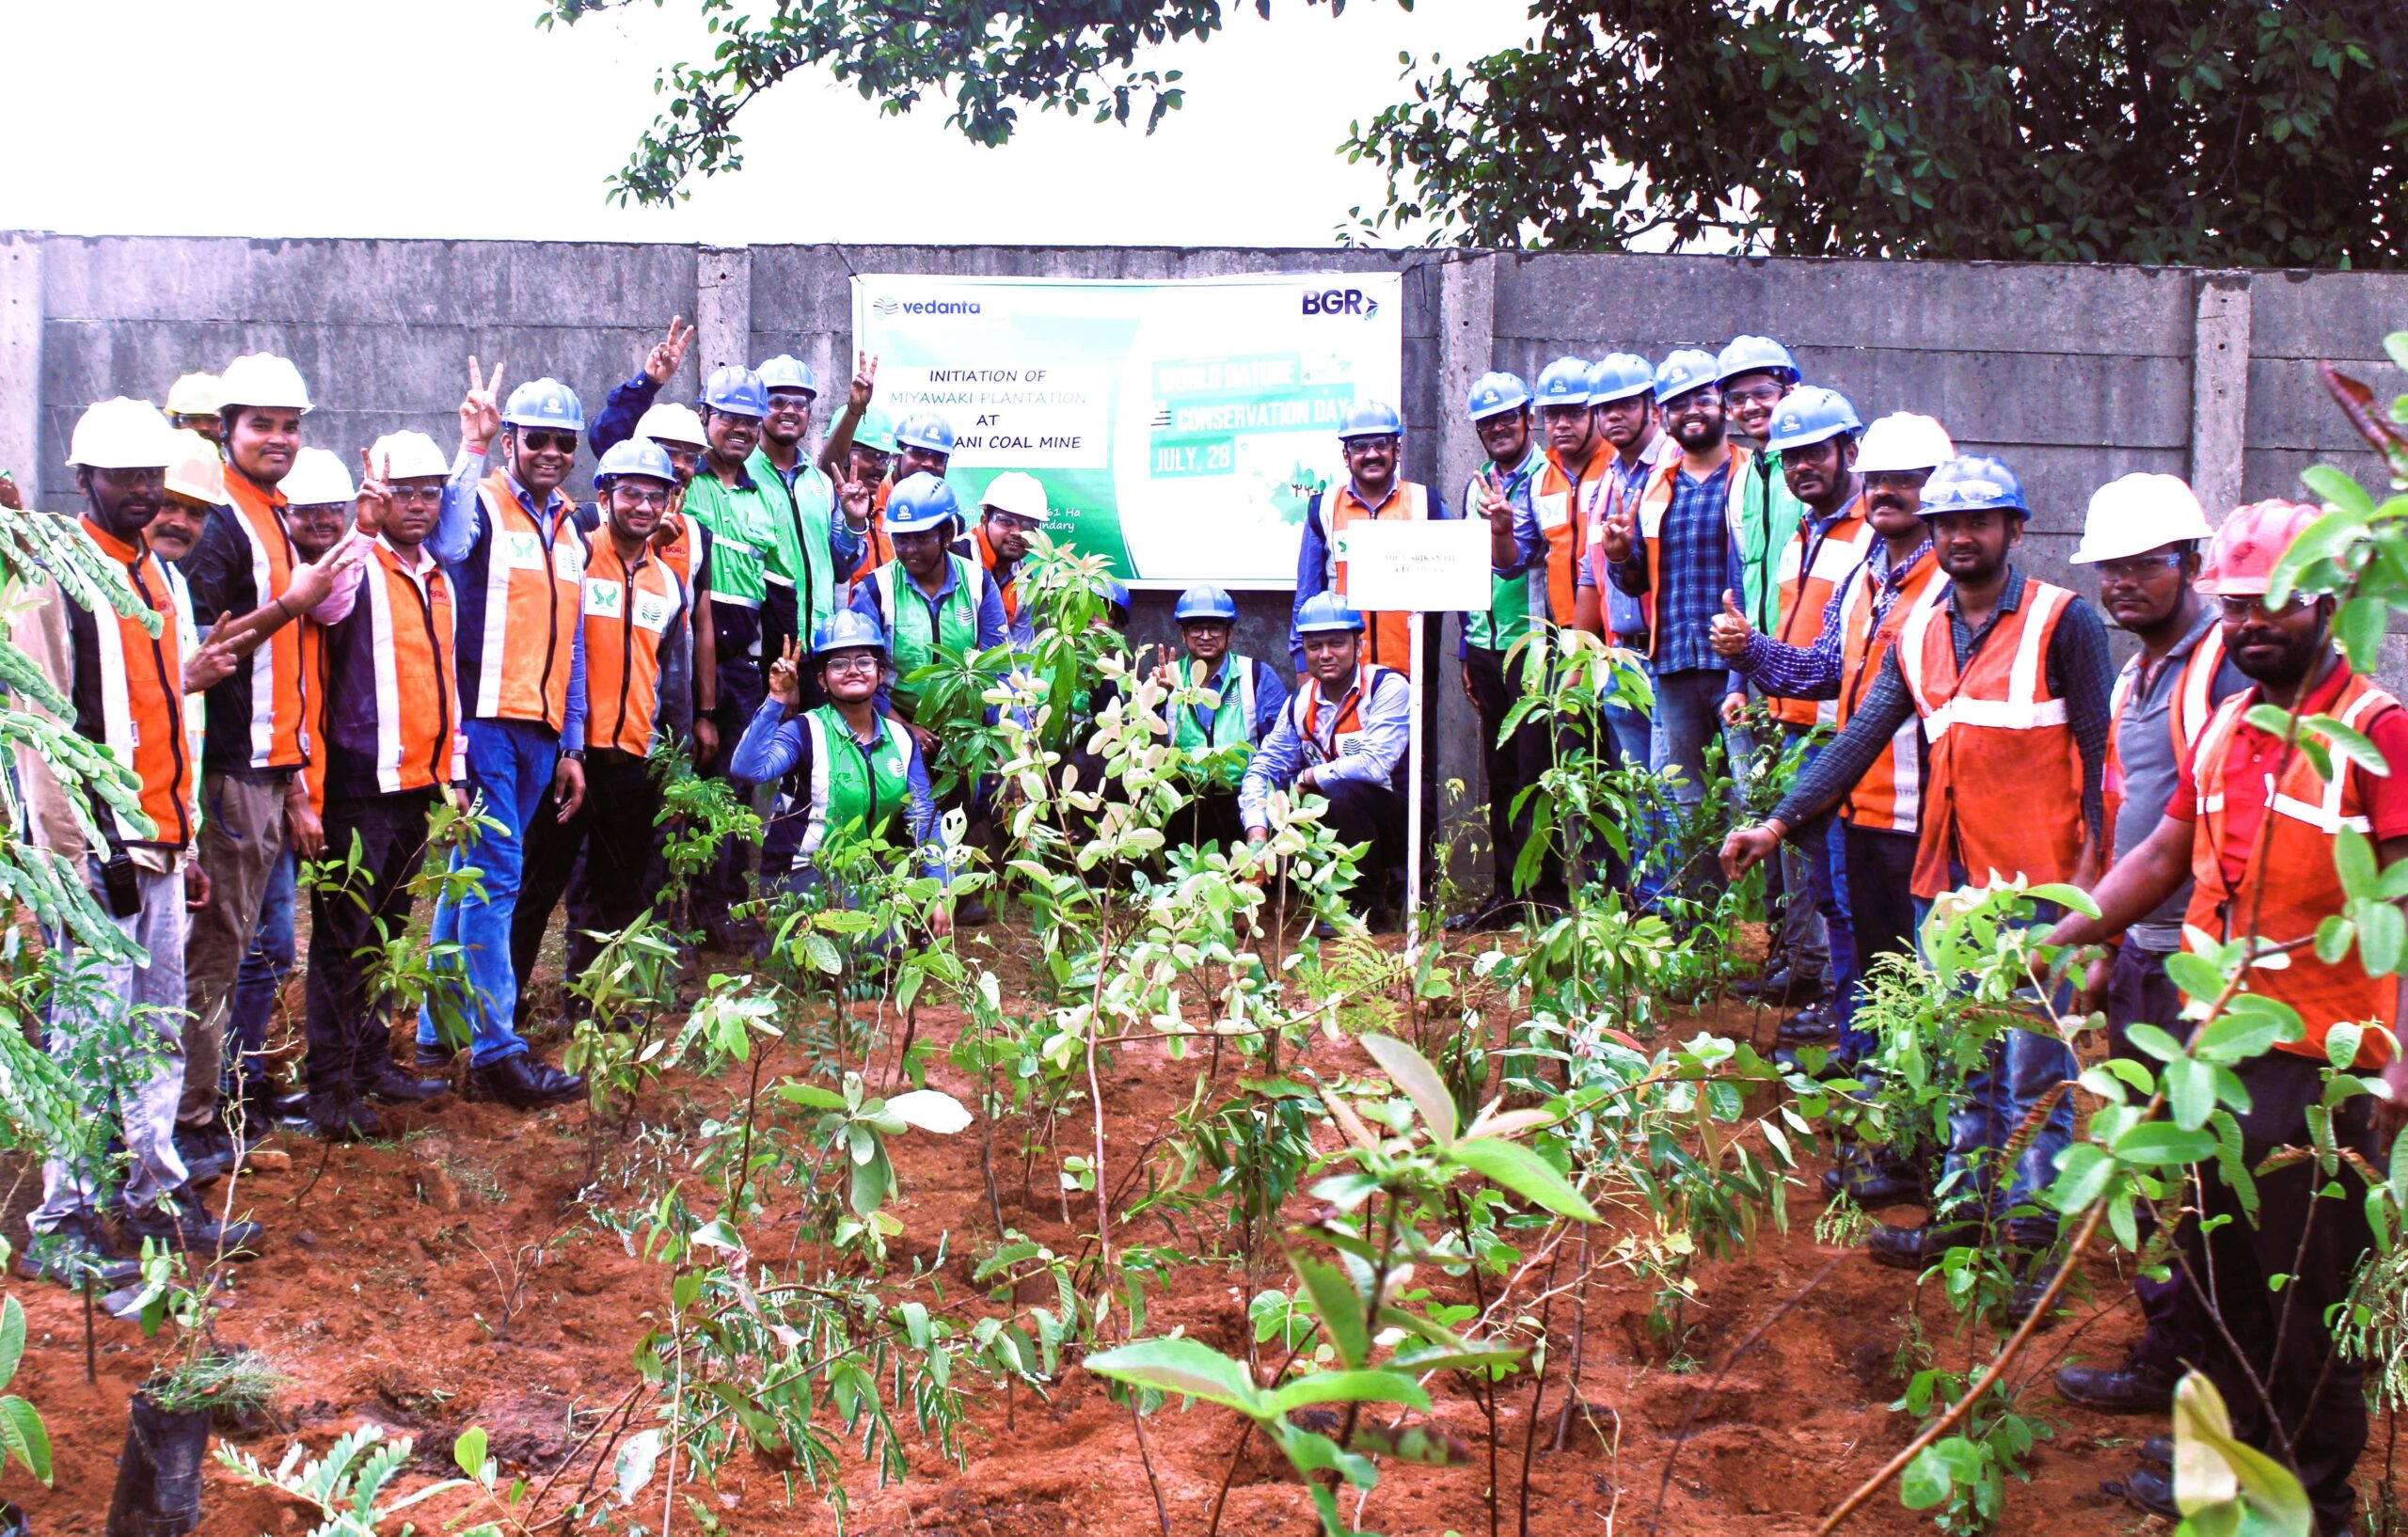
point(1341, 301)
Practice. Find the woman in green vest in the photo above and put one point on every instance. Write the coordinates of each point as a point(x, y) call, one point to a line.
point(847, 770)
point(928, 597)
point(1221, 704)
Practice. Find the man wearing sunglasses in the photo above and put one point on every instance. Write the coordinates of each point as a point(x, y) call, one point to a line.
point(509, 545)
point(2254, 828)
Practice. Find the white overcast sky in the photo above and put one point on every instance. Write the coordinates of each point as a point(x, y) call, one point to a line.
point(458, 119)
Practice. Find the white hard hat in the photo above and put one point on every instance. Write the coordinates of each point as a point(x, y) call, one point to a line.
point(196, 473)
point(2133, 514)
point(669, 422)
point(262, 378)
point(317, 479)
point(1903, 440)
point(1018, 492)
point(401, 456)
point(123, 434)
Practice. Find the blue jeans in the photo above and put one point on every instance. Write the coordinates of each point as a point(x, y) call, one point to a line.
point(510, 767)
point(260, 981)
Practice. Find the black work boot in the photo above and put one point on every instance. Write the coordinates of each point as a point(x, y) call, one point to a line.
point(1920, 1246)
point(182, 1222)
point(71, 1252)
point(343, 1120)
point(524, 1082)
point(206, 1153)
point(2133, 1387)
point(390, 1084)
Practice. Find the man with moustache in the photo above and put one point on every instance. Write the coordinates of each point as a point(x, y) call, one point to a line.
point(125, 688)
point(2253, 829)
point(1674, 547)
point(2142, 535)
point(1755, 374)
point(1621, 406)
point(807, 571)
point(2016, 757)
point(1372, 441)
point(392, 749)
point(510, 549)
point(600, 852)
point(689, 678)
point(1012, 508)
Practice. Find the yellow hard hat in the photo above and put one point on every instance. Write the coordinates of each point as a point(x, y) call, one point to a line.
point(196, 473)
point(194, 395)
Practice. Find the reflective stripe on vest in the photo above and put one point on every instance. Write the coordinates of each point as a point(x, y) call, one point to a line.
point(848, 785)
point(628, 619)
point(279, 677)
point(141, 696)
point(1655, 500)
point(951, 622)
point(2291, 884)
point(1345, 717)
point(1387, 634)
point(534, 582)
point(1826, 559)
point(2186, 714)
point(391, 695)
point(1997, 733)
point(1559, 505)
point(1888, 798)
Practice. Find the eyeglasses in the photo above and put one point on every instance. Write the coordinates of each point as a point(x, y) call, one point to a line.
point(537, 441)
point(1013, 523)
point(781, 400)
point(1757, 395)
point(1382, 443)
point(851, 661)
point(2138, 567)
point(414, 493)
point(2238, 606)
point(628, 496)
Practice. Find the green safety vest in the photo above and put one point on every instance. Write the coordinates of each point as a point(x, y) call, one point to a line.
point(1768, 519)
point(744, 532)
point(1231, 723)
point(1507, 620)
point(915, 627)
point(850, 787)
point(799, 554)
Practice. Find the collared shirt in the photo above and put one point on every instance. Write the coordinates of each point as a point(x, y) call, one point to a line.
point(1625, 616)
point(1385, 714)
point(2080, 672)
point(1698, 564)
point(1314, 561)
point(1812, 671)
point(1502, 625)
point(2152, 767)
point(775, 745)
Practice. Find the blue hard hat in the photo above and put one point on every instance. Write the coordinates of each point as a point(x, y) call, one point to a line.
point(737, 392)
point(636, 457)
point(1971, 482)
point(1620, 375)
point(1371, 419)
point(848, 629)
point(1116, 592)
point(1563, 382)
point(1754, 354)
point(1810, 414)
point(1692, 368)
point(919, 503)
point(786, 373)
point(1495, 393)
point(925, 430)
point(1326, 611)
point(1205, 603)
point(545, 402)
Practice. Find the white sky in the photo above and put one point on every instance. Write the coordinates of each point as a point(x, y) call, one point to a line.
point(430, 117)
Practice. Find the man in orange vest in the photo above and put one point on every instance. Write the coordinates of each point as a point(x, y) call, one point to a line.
point(2253, 828)
point(2142, 536)
point(1372, 441)
point(390, 750)
point(2010, 679)
point(510, 549)
point(125, 688)
point(1012, 507)
point(602, 857)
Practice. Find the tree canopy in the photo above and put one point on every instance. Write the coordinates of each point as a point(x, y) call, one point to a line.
point(2206, 132)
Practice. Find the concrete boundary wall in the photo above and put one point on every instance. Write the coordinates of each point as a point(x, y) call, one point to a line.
point(2073, 374)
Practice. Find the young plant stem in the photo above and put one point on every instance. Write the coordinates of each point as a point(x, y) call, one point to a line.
point(744, 1152)
point(1146, 1455)
point(1488, 1384)
point(1579, 1343)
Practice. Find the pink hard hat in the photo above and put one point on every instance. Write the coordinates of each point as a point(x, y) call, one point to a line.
point(2242, 555)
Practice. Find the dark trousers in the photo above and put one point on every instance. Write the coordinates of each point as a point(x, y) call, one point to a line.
point(1211, 817)
point(740, 692)
point(616, 832)
point(1511, 767)
point(2316, 1241)
point(1364, 812)
point(2140, 992)
point(1881, 909)
point(350, 1040)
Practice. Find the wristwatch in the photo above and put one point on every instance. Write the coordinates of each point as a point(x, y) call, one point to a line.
point(575, 754)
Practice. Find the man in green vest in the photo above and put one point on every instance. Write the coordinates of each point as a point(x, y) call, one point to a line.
point(1221, 704)
point(816, 551)
point(928, 599)
point(1754, 373)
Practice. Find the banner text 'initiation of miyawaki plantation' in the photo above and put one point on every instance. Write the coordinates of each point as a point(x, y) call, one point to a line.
point(1178, 427)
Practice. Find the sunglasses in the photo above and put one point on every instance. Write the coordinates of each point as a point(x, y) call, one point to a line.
point(538, 441)
point(414, 493)
point(2137, 568)
point(2238, 608)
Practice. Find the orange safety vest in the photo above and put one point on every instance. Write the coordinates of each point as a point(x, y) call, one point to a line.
point(284, 669)
point(1387, 634)
point(1561, 506)
point(2004, 792)
point(1008, 590)
point(628, 617)
point(140, 694)
point(1812, 567)
point(877, 548)
point(519, 597)
point(1888, 798)
point(2292, 885)
point(393, 705)
point(2186, 716)
point(1655, 500)
point(1345, 723)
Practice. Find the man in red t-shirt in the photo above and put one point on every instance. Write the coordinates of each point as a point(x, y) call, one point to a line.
point(2255, 826)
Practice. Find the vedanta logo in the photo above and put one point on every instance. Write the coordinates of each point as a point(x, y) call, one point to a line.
point(888, 306)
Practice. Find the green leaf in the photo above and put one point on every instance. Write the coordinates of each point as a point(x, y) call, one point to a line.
point(2350, 742)
point(2213, 1469)
point(2353, 858)
point(468, 1451)
point(2162, 1142)
point(1926, 1481)
point(821, 952)
point(2341, 1045)
point(1419, 1080)
point(1186, 1367)
point(2352, 508)
point(2190, 1091)
point(2361, 624)
point(12, 1339)
point(1523, 1172)
point(2153, 1040)
point(2073, 899)
point(2383, 935)
point(1337, 1305)
point(1348, 1387)
point(27, 1438)
point(2083, 1173)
